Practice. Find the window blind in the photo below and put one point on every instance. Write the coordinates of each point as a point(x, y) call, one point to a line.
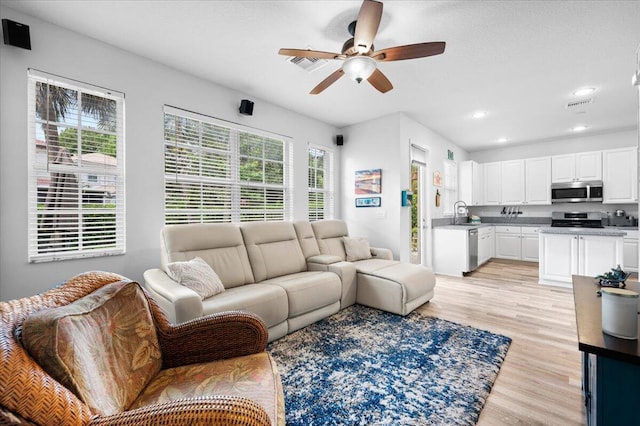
point(76, 169)
point(216, 171)
point(320, 183)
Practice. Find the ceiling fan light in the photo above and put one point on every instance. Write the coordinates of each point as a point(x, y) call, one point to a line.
point(359, 68)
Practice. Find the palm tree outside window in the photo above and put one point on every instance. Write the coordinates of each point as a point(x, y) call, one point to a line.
point(76, 173)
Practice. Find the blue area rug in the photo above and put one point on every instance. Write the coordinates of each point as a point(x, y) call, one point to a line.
point(368, 367)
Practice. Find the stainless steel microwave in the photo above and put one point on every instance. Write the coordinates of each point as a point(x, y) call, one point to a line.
point(576, 192)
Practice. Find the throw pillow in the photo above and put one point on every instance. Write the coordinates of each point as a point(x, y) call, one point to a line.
point(103, 347)
point(356, 248)
point(197, 275)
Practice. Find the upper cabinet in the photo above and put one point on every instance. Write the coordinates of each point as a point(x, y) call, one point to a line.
point(538, 180)
point(517, 182)
point(620, 175)
point(470, 183)
point(583, 166)
point(492, 184)
point(512, 182)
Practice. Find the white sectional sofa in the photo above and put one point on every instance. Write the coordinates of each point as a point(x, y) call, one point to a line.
point(290, 274)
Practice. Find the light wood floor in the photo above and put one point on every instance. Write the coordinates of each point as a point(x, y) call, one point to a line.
point(540, 380)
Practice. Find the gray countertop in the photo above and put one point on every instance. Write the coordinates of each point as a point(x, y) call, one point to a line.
point(609, 231)
point(605, 232)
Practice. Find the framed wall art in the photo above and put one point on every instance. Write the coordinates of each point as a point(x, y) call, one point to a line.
point(437, 178)
point(368, 181)
point(368, 202)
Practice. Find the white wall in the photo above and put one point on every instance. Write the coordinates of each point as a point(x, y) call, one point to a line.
point(147, 86)
point(556, 147)
point(384, 143)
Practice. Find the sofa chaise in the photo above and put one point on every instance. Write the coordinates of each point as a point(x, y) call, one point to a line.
point(291, 274)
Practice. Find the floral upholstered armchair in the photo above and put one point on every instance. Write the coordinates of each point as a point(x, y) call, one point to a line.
point(96, 350)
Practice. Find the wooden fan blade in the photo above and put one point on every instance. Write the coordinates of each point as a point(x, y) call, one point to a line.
point(410, 51)
point(367, 25)
point(380, 81)
point(327, 81)
point(306, 53)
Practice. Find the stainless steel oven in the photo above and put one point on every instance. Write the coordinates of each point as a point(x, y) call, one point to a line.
point(577, 219)
point(576, 192)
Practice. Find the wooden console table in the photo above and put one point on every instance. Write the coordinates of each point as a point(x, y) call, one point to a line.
point(610, 365)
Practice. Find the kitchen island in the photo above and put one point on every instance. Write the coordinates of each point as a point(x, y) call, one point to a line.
point(564, 252)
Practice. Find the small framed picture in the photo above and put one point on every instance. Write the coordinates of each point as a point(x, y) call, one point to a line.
point(368, 202)
point(437, 178)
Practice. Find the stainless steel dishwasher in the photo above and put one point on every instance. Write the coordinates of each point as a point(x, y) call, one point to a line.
point(473, 249)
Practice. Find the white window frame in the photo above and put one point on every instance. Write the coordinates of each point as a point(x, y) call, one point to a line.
point(328, 190)
point(450, 186)
point(41, 248)
point(234, 212)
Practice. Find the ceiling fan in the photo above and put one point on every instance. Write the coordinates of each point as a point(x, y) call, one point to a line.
point(360, 59)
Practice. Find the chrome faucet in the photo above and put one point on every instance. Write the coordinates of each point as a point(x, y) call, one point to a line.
point(455, 210)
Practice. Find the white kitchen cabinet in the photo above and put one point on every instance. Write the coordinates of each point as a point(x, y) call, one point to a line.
point(486, 244)
point(492, 184)
point(583, 166)
point(450, 250)
point(512, 182)
point(563, 255)
point(530, 244)
point(620, 175)
point(537, 181)
point(508, 242)
point(470, 183)
point(630, 258)
point(516, 243)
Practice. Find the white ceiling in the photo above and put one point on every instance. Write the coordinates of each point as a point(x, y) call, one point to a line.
point(519, 61)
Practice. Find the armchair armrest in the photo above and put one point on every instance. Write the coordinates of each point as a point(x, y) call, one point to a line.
point(179, 302)
point(214, 410)
point(217, 336)
point(324, 259)
point(381, 253)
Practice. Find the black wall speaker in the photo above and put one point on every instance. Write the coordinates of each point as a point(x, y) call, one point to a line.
point(339, 140)
point(246, 107)
point(16, 34)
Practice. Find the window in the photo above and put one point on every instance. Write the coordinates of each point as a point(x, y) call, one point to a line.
point(76, 169)
point(217, 171)
point(320, 184)
point(450, 189)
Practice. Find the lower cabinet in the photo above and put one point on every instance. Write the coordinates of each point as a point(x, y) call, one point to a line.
point(611, 391)
point(451, 251)
point(563, 255)
point(517, 243)
point(630, 262)
point(486, 244)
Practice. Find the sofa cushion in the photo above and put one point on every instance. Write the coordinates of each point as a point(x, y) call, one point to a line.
point(253, 376)
point(307, 238)
point(197, 275)
point(103, 346)
point(308, 291)
point(329, 234)
point(356, 248)
point(273, 249)
point(269, 302)
point(219, 244)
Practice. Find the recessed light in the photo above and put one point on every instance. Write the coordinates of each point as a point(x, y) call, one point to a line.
point(580, 128)
point(502, 140)
point(584, 91)
point(479, 114)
